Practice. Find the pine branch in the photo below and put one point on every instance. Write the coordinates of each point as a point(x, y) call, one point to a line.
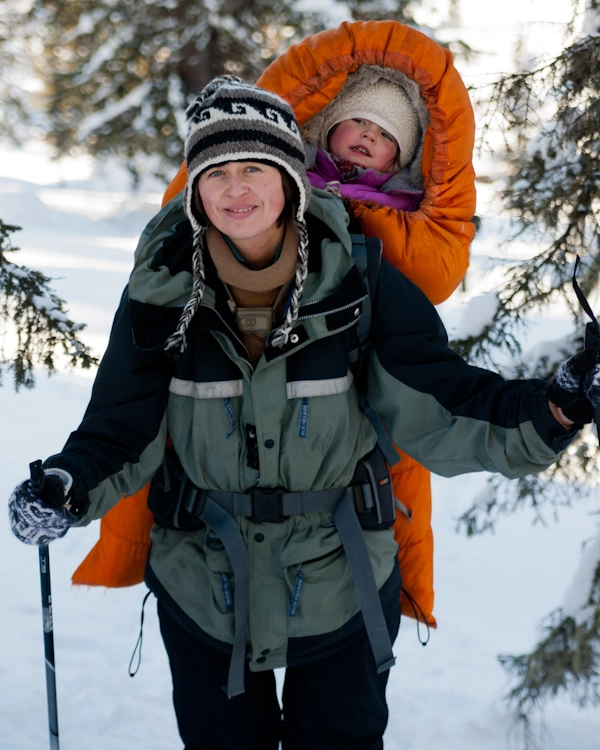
point(35, 317)
point(570, 479)
point(565, 660)
point(118, 76)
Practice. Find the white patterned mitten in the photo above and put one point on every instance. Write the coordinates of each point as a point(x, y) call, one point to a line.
point(575, 388)
point(41, 517)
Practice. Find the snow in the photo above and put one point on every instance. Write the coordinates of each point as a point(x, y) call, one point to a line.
point(591, 21)
point(177, 101)
point(105, 52)
point(42, 303)
point(80, 226)
point(478, 315)
point(544, 145)
point(576, 599)
point(553, 352)
point(14, 270)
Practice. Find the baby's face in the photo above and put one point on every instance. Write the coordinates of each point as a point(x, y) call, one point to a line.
point(364, 143)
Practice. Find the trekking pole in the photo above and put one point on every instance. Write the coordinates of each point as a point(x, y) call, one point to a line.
point(37, 482)
point(592, 331)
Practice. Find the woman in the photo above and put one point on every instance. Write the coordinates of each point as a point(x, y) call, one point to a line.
point(230, 364)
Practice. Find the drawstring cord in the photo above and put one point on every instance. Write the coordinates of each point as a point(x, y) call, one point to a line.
point(592, 330)
point(415, 605)
point(138, 645)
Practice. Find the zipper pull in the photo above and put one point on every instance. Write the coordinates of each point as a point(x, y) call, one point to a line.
point(295, 603)
point(303, 426)
point(227, 598)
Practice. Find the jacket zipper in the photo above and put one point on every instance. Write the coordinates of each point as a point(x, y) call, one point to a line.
point(330, 312)
point(233, 333)
point(300, 317)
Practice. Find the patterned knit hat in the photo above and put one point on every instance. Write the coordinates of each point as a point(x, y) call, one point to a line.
point(233, 121)
point(385, 104)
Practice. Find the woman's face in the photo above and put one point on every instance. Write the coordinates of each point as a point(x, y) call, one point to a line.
point(244, 199)
point(364, 143)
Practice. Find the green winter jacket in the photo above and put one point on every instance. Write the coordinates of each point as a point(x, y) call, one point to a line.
point(293, 422)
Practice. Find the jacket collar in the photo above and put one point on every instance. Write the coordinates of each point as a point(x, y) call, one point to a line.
point(332, 292)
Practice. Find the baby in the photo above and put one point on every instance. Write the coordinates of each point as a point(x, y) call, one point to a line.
point(366, 141)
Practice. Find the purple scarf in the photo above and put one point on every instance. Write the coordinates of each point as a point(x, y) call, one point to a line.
point(365, 185)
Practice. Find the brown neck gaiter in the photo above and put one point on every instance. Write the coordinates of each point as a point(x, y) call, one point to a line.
point(251, 288)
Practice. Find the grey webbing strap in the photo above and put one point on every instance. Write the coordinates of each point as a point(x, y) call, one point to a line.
point(292, 503)
point(360, 256)
point(315, 501)
point(384, 441)
point(226, 529)
point(403, 509)
point(359, 252)
point(355, 547)
point(373, 488)
point(361, 261)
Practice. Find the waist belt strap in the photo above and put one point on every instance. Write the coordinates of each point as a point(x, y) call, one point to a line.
point(356, 551)
point(226, 529)
point(218, 510)
point(288, 503)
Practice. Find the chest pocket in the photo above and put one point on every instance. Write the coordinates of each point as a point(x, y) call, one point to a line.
point(204, 371)
point(321, 369)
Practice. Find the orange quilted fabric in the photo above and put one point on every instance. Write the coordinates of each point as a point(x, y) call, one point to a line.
point(119, 557)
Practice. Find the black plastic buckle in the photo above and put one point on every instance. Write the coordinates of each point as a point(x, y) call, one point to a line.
point(363, 498)
point(193, 500)
point(266, 506)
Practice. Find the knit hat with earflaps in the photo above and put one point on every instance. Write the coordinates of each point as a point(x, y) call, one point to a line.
point(385, 104)
point(233, 121)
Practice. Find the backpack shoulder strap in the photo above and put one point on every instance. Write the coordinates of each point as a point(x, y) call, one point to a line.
point(366, 254)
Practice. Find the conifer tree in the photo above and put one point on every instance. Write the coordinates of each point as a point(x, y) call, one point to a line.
point(550, 116)
point(118, 74)
point(34, 327)
point(16, 66)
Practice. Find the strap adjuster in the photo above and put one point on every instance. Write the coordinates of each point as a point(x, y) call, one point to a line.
point(363, 498)
point(193, 499)
point(266, 506)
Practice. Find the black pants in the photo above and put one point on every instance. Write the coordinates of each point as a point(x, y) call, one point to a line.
point(335, 703)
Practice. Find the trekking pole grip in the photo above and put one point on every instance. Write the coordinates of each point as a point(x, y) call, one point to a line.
point(38, 477)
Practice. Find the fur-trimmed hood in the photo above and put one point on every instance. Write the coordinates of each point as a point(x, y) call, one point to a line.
point(313, 73)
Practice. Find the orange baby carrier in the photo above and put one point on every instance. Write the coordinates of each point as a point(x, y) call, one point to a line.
point(430, 246)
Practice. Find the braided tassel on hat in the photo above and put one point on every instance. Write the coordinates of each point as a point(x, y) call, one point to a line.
point(178, 340)
point(280, 336)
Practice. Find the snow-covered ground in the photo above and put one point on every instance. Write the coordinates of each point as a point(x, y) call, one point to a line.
point(80, 226)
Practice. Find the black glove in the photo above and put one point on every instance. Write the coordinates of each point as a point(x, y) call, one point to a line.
point(575, 388)
point(40, 517)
